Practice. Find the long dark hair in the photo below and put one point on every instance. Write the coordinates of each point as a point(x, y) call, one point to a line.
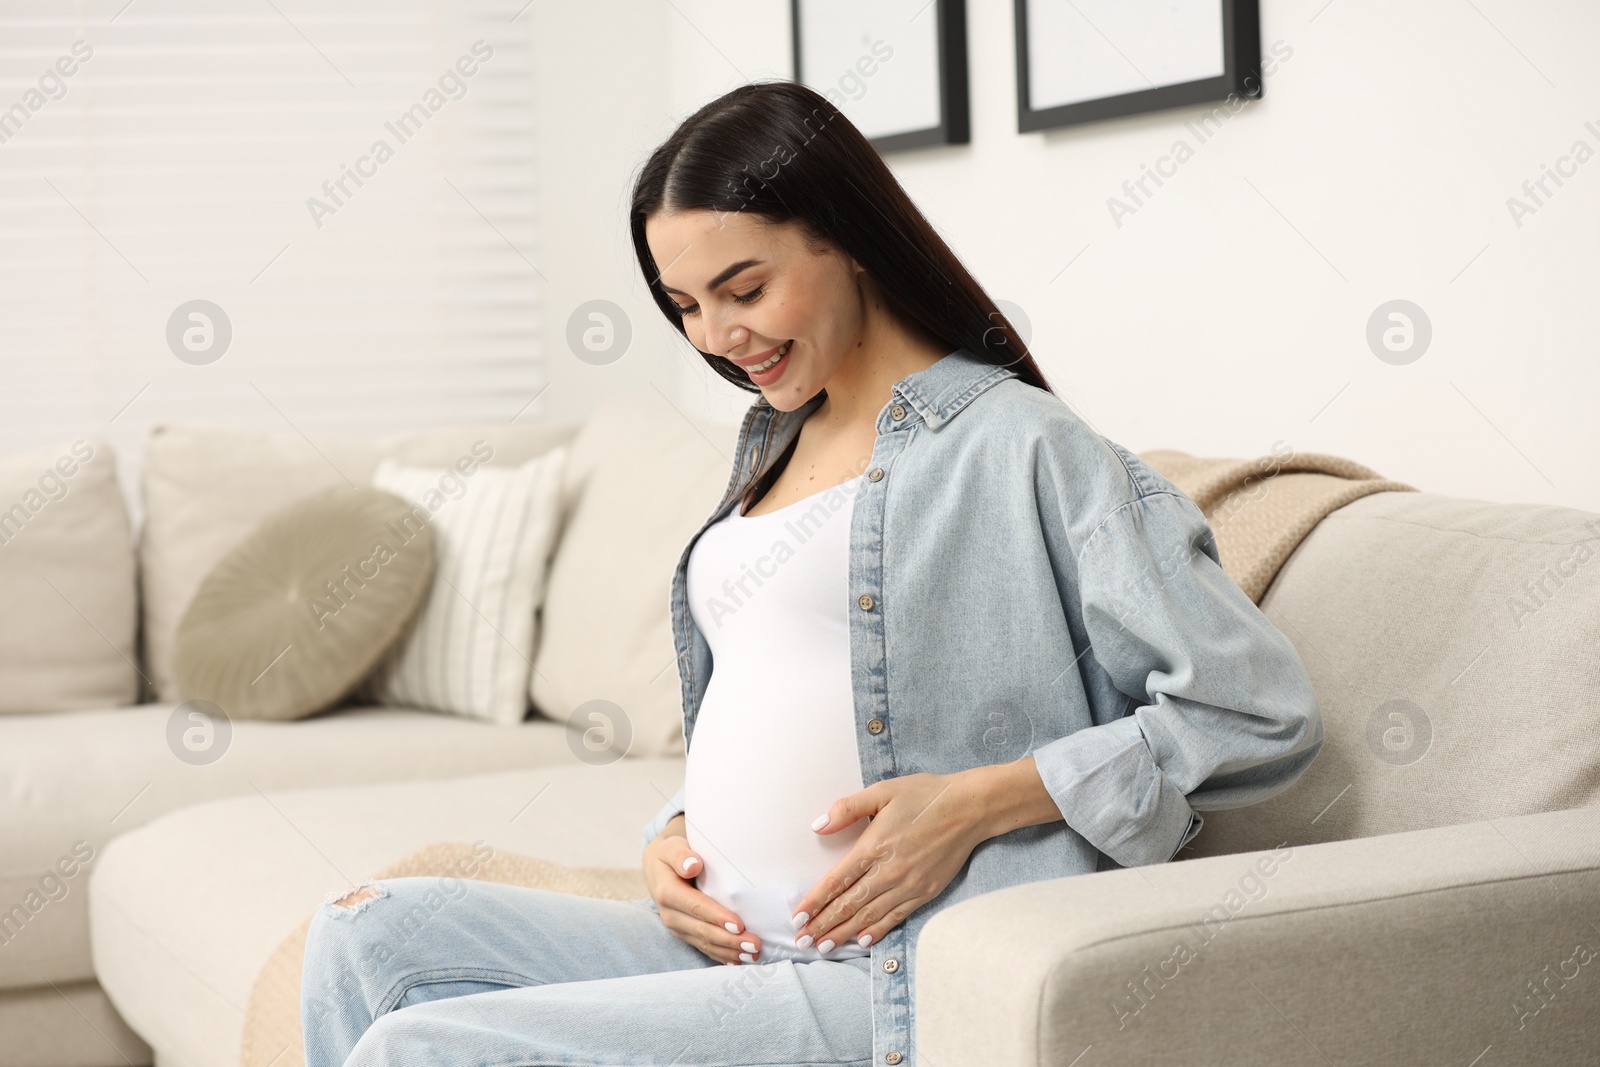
point(781, 151)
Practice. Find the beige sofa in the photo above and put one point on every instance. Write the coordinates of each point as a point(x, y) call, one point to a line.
point(1422, 894)
point(87, 698)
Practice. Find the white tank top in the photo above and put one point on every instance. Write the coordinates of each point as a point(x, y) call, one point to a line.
point(774, 741)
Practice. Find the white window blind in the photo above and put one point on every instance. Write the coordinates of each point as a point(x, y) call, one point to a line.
point(349, 181)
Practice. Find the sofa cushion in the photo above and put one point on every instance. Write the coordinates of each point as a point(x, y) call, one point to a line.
point(66, 1025)
point(71, 782)
point(206, 488)
point(1451, 643)
point(641, 478)
point(67, 582)
point(187, 909)
point(296, 614)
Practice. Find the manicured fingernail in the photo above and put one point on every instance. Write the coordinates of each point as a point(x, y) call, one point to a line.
point(804, 942)
point(747, 957)
point(820, 821)
point(690, 862)
point(826, 946)
point(748, 946)
point(799, 919)
point(864, 940)
point(733, 928)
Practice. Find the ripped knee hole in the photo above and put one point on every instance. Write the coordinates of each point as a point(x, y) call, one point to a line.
point(350, 900)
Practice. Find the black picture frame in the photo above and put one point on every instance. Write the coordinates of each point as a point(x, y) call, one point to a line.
point(1241, 45)
point(954, 126)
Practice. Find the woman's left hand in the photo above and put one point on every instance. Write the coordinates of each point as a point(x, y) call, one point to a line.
point(923, 828)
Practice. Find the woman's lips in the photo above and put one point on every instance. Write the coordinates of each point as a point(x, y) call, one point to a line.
point(775, 371)
point(762, 358)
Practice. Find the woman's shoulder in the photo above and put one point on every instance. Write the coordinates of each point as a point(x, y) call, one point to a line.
point(1048, 439)
point(1045, 429)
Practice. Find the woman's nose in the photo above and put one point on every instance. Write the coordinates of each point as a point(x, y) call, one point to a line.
point(724, 336)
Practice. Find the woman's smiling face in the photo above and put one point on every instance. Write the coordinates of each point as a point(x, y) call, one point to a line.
point(748, 287)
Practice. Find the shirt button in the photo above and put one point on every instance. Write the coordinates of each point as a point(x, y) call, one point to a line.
point(866, 601)
point(898, 412)
point(892, 1057)
point(874, 726)
point(891, 965)
point(875, 474)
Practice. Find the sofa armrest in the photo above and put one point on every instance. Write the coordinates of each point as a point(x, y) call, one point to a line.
point(1422, 947)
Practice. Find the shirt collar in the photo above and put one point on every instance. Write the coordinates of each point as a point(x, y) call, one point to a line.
point(940, 391)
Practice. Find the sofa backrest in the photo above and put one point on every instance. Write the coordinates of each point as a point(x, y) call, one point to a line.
point(641, 478)
point(206, 488)
point(68, 616)
point(1452, 644)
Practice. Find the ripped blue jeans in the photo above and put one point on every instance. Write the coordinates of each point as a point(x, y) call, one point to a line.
point(440, 970)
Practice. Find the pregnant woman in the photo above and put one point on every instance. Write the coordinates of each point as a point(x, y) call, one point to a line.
point(939, 637)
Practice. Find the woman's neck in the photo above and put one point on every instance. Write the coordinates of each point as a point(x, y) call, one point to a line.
point(886, 352)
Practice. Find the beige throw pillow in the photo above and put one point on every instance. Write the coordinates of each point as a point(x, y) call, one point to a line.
point(206, 488)
point(297, 614)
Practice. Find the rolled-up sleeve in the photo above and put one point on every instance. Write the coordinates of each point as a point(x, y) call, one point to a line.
point(668, 812)
point(1225, 715)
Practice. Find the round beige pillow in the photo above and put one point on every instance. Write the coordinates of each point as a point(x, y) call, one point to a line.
point(297, 614)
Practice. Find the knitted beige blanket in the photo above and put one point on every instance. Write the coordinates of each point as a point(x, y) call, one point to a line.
point(1260, 509)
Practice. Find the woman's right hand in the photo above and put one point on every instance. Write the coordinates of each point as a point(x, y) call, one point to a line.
point(670, 867)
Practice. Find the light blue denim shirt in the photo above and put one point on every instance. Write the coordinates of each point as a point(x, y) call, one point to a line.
point(1019, 584)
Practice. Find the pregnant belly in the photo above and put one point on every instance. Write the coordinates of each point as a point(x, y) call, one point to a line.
point(749, 808)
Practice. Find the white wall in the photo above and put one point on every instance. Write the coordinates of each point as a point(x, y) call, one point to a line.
point(1228, 312)
point(215, 213)
point(603, 67)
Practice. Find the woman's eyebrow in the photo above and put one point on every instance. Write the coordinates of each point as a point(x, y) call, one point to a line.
point(743, 264)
